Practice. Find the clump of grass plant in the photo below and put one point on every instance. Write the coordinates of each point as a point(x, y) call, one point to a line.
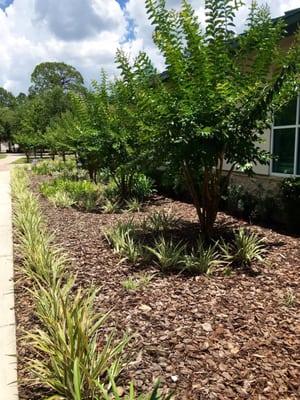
point(70, 340)
point(202, 260)
point(167, 254)
point(289, 298)
point(132, 394)
point(245, 248)
point(160, 221)
point(133, 284)
point(55, 167)
point(110, 207)
point(65, 192)
point(122, 238)
point(133, 205)
point(61, 199)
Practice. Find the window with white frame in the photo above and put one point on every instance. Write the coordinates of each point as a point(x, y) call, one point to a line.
point(286, 141)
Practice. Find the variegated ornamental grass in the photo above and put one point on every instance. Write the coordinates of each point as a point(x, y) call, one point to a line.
point(69, 360)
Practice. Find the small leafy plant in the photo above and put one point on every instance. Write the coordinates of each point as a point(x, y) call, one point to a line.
point(161, 221)
point(167, 254)
point(110, 206)
point(122, 239)
point(61, 199)
point(133, 284)
point(83, 194)
point(244, 250)
point(289, 299)
point(133, 205)
point(54, 167)
point(113, 394)
point(202, 260)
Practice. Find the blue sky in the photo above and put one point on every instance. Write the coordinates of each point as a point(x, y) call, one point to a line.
point(5, 3)
point(122, 3)
point(83, 33)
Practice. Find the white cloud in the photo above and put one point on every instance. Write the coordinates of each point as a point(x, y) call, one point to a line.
point(33, 31)
point(84, 33)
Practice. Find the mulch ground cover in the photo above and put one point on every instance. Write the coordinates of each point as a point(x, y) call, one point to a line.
point(218, 337)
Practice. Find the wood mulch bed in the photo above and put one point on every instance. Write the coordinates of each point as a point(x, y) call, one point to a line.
point(219, 337)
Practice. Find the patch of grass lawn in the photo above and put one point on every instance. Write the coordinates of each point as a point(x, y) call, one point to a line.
point(2, 156)
point(22, 160)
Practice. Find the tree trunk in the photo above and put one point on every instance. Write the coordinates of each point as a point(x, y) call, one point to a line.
point(206, 200)
point(190, 181)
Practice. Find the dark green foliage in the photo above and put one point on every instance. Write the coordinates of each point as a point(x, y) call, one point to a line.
point(256, 205)
point(7, 99)
point(218, 96)
point(290, 192)
point(51, 75)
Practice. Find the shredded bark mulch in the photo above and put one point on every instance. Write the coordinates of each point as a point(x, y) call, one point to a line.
point(219, 337)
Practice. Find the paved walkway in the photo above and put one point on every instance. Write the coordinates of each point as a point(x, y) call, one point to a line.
point(8, 361)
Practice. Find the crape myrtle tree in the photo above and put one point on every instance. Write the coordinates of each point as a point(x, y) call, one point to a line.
point(217, 95)
point(103, 128)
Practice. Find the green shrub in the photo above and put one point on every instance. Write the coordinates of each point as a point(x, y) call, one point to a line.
point(83, 194)
point(52, 167)
point(245, 248)
point(142, 187)
point(257, 205)
point(168, 255)
point(61, 199)
point(290, 193)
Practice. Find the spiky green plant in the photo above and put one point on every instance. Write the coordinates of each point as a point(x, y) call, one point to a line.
point(245, 248)
point(133, 284)
point(133, 205)
point(61, 199)
point(69, 342)
point(70, 358)
point(161, 221)
point(122, 239)
point(167, 254)
point(110, 206)
point(113, 394)
point(202, 260)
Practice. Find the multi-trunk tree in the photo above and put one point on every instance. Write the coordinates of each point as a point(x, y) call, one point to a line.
point(217, 94)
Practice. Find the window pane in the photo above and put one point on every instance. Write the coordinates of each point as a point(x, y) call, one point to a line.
point(283, 149)
point(287, 116)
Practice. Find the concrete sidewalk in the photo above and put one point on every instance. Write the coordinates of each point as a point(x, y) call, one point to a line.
point(8, 360)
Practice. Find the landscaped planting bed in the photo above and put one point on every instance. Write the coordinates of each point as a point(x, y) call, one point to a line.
point(233, 334)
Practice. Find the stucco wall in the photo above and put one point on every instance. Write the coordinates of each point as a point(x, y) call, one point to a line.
point(265, 145)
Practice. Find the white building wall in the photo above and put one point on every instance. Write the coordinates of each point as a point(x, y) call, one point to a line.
point(265, 145)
